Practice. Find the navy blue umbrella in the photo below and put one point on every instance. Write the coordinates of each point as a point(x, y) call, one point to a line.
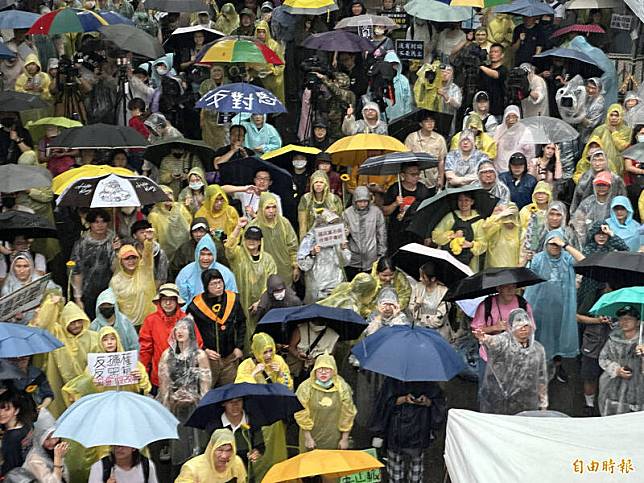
point(409, 353)
point(18, 340)
point(241, 97)
point(264, 404)
point(393, 163)
point(278, 323)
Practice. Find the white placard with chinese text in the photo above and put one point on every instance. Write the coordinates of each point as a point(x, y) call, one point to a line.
point(113, 368)
point(330, 236)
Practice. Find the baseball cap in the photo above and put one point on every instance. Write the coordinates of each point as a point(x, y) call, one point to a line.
point(139, 225)
point(127, 251)
point(253, 233)
point(628, 310)
point(603, 178)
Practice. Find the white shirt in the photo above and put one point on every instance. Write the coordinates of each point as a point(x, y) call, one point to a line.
point(133, 475)
point(227, 424)
point(252, 200)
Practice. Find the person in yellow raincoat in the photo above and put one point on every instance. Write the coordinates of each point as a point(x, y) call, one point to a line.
point(171, 222)
point(252, 266)
point(133, 282)
point(33, 80)
point(532, 219)
point(328, 414)
point(425, 92)
point(272, 75)
point(279, 238)
point(195, 192)
point(218, 464)
point(264, 367)
point(217, 210)
point(318, 198)
point(385, 273)
point(70, 325)
point(503, 237)
point(482, 141)
point(359, 295)
point(500, 28)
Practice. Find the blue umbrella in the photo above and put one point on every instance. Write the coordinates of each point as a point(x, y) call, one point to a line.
point(610, 303)
point(119, 418)
point(264, 404)
point(6, 52)
point(567, 54)
point(18, 340)
point(241, 98)
point(279, 322)
point(527, 8)
point(409, 354)
point(17, 19)
point(115, 18)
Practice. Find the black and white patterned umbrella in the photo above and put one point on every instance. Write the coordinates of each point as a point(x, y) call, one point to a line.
point(112, 191)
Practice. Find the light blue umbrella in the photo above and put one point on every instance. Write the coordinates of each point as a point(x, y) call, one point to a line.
point(437, 11)
point(528, 8)
point(17, 19)
point(6, 52)
point(18, 340)
point(120, 418)
point(609, 304)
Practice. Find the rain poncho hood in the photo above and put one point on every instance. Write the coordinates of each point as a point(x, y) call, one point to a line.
point(531, 209)
point(358, 295)
point(70, 313)
point(218, 439)
point(403, 93)
point(107, 330)
point(11, 283)
point(224, 219)
point(629, 231)
point(309, 206)
point(227, 20)
point(168, 61)
point(122, 324)
point(609, 78)
point(400, 285)
point(32, 59)
point(260, 344)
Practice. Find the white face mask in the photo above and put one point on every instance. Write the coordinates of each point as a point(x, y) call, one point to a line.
point(162, 70)
point(279, 295)
point(196, 186)
point(640, 138)
point(299, 164)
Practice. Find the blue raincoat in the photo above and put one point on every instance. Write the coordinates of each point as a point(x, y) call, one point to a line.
point(267, 137)
point(554, 302)
point(609, 77)
point(122, 325)
point(629, 231)
point(404, 95)
point(189, 278)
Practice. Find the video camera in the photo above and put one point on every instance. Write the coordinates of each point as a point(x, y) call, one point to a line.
point(472, 55)
point(381, 81)
point(518, 86)
point(310, 67)
point(67, 67)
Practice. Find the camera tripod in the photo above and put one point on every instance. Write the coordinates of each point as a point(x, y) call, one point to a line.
point(72, 102)
point(121, 95)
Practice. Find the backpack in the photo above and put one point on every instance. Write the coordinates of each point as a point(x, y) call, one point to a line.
point(523, 304)
point(108, 464)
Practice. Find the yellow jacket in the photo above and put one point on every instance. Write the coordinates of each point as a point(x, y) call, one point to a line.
point(224, 219)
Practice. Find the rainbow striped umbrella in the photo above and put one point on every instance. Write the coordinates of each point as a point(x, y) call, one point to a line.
point(238, 49)
point(72, 20)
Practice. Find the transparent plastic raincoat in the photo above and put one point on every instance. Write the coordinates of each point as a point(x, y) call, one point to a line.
point(226, 218)
point(308, 207)
point(588, 212)
point(171, 226)
point(127, 335)
point(358, 295)
point(503, 238)
point(279, 238)
point(516, 378)
point(328, 411)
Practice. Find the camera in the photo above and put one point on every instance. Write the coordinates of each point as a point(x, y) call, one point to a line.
point(518, 85)
point(430, 75)
point(566, 101)
point(237, 73)
point(311, 67)
point(67, 67)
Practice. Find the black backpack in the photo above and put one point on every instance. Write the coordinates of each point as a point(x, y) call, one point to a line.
point(108, 464)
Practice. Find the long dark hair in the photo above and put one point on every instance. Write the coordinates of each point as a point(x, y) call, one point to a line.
point(24, 404)
point(385, 263)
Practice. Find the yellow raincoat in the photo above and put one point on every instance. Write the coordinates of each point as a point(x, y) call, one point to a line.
point(197, 197)
point(400, 284)
point(68, 362)
point(224, 219)
point(272, 75)
point(358, 295)
point(171, 226)
point(328, 412)
point(280, 240)
point(483, 142)
point(41, 78)
point(426, 93)
point(134, 292)
point(275, 434)
point(443, 230)
point(503, 241)
point(307, 209)
point(201, 469)
point(526, 211)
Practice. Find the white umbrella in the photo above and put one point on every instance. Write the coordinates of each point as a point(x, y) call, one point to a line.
point(584, 4)
point(542, 130)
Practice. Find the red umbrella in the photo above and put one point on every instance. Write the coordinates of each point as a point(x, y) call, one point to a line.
point(584, 29)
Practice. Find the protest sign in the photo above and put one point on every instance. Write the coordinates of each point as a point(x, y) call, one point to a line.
point(621, 22)
point(23, 299)
point(329, 236)
point(113, 368)
point(370, 476)
point(399, 17)
point(410, 49)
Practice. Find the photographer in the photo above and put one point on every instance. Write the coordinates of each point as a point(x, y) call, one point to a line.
point(339, 101)
point(348, 63)
point(492, 80)
point(14, 139)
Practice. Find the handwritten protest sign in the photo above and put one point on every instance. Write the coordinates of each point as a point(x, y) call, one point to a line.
point(23, 299)
point(371, 476)
point(112, 368)
point(329, 236)
point(410, 49)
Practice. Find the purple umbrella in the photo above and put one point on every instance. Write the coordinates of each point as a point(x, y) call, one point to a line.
point(338, 41)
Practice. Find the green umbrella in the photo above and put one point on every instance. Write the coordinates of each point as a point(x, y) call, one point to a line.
point(37, 128)
point(609, 304)
point(437, 11)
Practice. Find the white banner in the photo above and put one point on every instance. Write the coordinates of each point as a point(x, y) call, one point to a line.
point(112, 368)
point(331, 235)
point(23, 299)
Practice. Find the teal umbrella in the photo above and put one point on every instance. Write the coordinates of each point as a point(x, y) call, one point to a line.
point(608, 304)
point(437, 11)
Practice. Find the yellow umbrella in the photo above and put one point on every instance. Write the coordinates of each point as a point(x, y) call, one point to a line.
point(309, 7)
point(353, 150)
point(63, 180)
point(333, 463)
point(290, 148)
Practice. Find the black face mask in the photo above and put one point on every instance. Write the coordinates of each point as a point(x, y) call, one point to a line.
point(106, 312)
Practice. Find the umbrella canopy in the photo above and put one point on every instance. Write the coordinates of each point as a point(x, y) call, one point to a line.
point(309, 7)
point(183, 37)
point(474, 3)
point(264, 404)
point(431, 211)
point(437, 11)
point(338, 41)
point(486, 282)
point(353, 150)
point(187, 6)
point(332, 463)
point(72, 20)
point(565, 53)
point(449, 270)
point(17, 19)
point(37, 128)
point(6, 52)
point(112, 191)
point(238, 49)
point(527, 8)
point(584, 4)
point(17, 340)
point(241, 98)
point(282, 157)
point(409, 353)
point(20, 223)
point(582, 28)
point(100, 136)
point(9, 371)
point(542, 130)
point(366, 19)
point(636, 152)
point(18, 177)
point(279, 323)
point(63, 180)
point(116, 418)
point(393, 163)
point(619, 269)
point(11, 101)
point(133, 39)
point(403, 126)
point(157, 151)
point(610, 303)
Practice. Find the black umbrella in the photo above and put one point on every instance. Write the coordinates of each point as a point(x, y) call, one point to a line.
point(486, 282)
point(29, 225)
point(392, 163)
point(157, 151)
point(176, 5)
point(432, 210)
point(183, 37)
point(11, 101)
point(99, 136)
point(338, 41)
point(448, 269)
point(18, 177)
point(403, 126)
point(132, 39)
point(619, 269)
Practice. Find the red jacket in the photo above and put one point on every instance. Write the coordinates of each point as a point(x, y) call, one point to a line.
point(153, 339)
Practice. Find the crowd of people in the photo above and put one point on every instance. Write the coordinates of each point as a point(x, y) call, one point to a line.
point(185, 281)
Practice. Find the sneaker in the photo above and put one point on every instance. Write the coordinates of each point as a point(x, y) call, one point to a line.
point(560, 374)
point(164, 454)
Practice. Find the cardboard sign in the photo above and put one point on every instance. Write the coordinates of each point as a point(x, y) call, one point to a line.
point(113, 368)
point(23, 299)
point(410, 49)
point(621, 22)
point(330, 236)
point(371, 476)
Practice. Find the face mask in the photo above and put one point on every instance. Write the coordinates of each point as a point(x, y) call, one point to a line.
point(279, 295)
point(106, 312)
point(162, 70)
point(301, 164)
point(196, 186)
point(325, 385)
point(640, 138)
point(128, 210)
